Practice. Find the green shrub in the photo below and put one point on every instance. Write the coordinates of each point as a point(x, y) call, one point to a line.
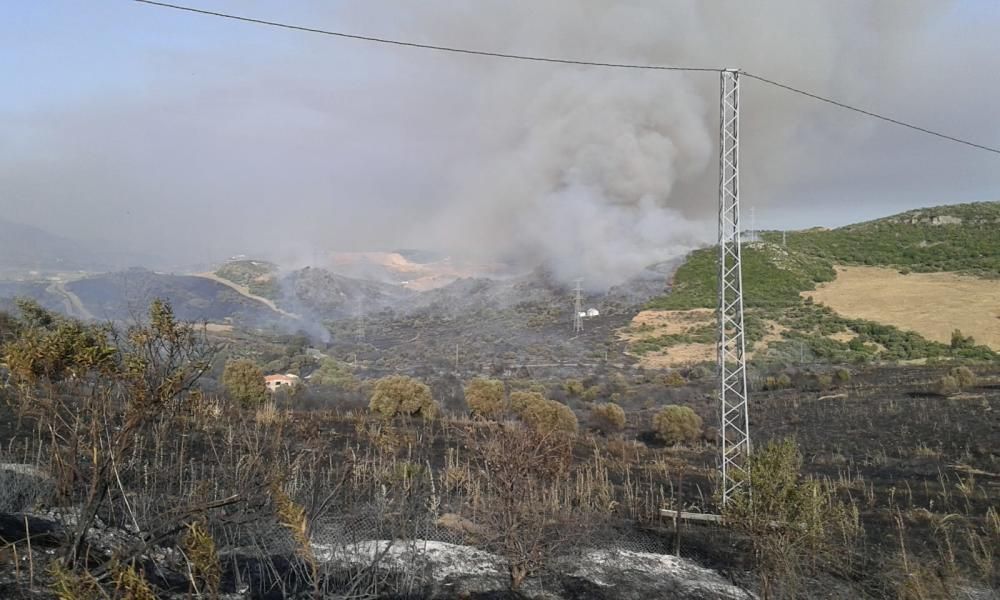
point(674, 379)
point(607, 418)
point(485, 397)
point(521, 402)
point(959, 341)
point(946, 385)
point(793, 522)
point(779, 382)
point(842, 375)
point(824, 381)
point(698, 373)
point(244, 382)
point(400, 395)
point(335, 374)
point(573, 387)
point(541, 414)
point(677, 425)
point(964, 376)
point(560, 419)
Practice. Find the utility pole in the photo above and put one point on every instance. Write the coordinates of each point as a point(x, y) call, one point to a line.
point(733, 392)
point(784, 239)
point(456, 357)
point(578, 308)
point(361, 320)
point(753, 225)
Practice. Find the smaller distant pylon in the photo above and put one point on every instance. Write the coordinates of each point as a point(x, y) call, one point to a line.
point(578, 308)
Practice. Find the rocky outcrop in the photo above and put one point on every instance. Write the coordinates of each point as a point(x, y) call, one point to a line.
point(442, 570)
point(23, 487)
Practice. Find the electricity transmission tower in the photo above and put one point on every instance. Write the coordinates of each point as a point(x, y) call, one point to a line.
point(733, 396)
point(361, 320)
point(578, 308)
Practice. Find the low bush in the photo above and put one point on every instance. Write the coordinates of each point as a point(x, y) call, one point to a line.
point(698, 373)
point(543, 415)
point(524, 402)
point(244, 382)
point(946, 385)
point(677, 425)
point(964, 376)
point(824, 381)
point(485, 397)
point(959, 341)
point(607, 418)
point(779, 382)
point(793, 522)
point(674, 379)
point(400, 395)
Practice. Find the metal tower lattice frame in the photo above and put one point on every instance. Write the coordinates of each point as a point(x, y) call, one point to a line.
point(733, 393)
point(578, 308)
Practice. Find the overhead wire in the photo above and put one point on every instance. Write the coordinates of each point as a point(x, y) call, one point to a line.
point(869, 113)
point(568, 61)
point(379, 40)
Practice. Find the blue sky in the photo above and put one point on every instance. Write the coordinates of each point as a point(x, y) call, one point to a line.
point(158, 129)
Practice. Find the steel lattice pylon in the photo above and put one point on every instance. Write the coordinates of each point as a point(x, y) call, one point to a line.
point(733, 394)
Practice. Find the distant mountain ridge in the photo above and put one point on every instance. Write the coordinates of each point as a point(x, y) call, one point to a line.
point(960, 238)
point(29, 248)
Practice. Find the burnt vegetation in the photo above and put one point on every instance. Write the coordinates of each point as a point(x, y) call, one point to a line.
point(142, 462)
point(145, 457)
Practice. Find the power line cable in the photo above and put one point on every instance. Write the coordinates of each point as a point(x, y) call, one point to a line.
point(566, 61)
point(870, 113)
point(379, 40)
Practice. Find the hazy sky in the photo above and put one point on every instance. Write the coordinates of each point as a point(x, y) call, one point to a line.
point(195, 136)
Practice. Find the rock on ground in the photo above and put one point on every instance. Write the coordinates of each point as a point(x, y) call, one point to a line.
point(23, 487)
point(445, 570)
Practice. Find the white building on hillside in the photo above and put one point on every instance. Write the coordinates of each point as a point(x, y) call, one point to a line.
point(273, 382)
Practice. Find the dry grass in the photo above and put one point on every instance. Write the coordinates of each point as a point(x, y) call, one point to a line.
point(653, 323)
point(843, 337)
point(932, 304)
point(678, 356)
point(666, 322)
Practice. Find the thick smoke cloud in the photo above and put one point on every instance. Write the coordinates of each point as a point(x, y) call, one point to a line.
point(238, 138)
point(602, 172)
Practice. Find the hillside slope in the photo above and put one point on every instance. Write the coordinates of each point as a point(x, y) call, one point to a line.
point(911, 321)
point(25, 247)
point(126, 294)
point(960, 238)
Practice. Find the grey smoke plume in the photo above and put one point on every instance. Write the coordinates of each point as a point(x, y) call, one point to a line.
point(242, 139)
point(598, 172)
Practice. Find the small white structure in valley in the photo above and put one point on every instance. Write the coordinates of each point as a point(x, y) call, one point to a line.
point(273, 382)
point(589, 313)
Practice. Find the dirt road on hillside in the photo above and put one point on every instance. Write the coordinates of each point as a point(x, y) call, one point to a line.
point(243, 290)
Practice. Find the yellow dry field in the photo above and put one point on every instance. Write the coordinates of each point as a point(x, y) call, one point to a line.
point(931, 304)
point(654, 323)
point(666, 322)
